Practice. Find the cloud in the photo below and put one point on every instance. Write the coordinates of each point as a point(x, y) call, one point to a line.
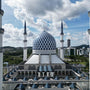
point(68, 36)
point(14, 36)
point(61, 8)
point(45, 15)
point(36, 7)
point(7, 36)
point(47, 12)
point(78, 38)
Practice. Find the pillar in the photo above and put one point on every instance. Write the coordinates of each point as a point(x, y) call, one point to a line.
point(1, 43)
point(77, 51)
point(28, 74)
point(38, 74)
point(43, 74)
point(47, 74)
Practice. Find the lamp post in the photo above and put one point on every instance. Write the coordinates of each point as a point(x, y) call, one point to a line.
point(89, 47)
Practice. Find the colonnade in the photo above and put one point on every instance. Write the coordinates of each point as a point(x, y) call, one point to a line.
point(28, 73)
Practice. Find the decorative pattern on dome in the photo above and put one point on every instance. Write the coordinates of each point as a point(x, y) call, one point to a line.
point(44, 42)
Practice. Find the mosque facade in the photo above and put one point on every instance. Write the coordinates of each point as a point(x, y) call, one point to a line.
point(44, 69)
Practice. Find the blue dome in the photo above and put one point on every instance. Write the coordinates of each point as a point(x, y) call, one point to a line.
point(44, 42)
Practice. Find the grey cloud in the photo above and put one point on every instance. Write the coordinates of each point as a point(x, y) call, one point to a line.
point(41, 7)
point(61, 9)
point(30, 34)
point(52, 10)
point(7, 36)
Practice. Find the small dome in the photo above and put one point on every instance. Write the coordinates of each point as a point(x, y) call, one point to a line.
point(44, 42)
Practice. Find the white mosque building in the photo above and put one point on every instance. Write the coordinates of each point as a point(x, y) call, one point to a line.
point(44, 52)
point(44, 69)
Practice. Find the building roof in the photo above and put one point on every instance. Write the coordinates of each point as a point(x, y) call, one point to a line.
point(44, 59)
point(47, 85)
point(45, 68)
point(21, 87)
point(72, 85)
point(59, 85)
point(44, 42)
point(34, 86)
point(34, 59)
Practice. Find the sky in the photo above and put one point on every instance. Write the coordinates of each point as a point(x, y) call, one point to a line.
point(45, 15)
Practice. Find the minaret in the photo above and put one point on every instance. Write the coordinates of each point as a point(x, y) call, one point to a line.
point(89, 46)
point(25, 43)
point(1, 52)
point(68, 42)
point(62, 42)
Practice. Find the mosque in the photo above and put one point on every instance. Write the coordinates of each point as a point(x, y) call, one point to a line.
point(44, 69)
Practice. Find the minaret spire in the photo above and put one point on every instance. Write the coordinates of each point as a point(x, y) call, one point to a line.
point(62, 28)
point(0, 4)
point(25, 32)
point(25, 43)
point(62, 42)
point(1, 45)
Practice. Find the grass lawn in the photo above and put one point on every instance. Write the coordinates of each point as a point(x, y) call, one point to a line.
point(83, 63)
